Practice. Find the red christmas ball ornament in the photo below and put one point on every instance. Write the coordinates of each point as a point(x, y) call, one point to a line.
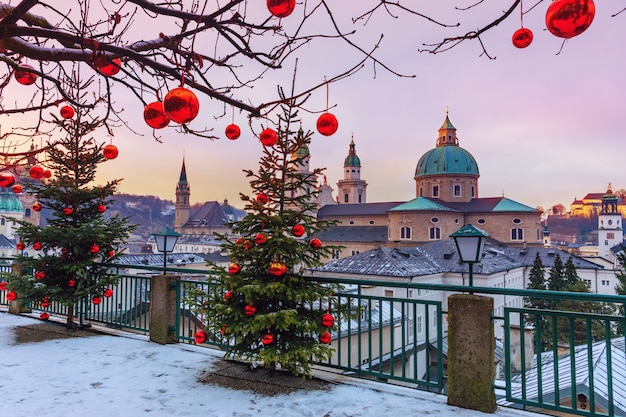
point(36, 172)
point(68, 210)
point(234, 269)
point(37, 207)
point(239, 241)
point(328, 320)
point(315, 243)
point(262, 198)
point(11, 295)
point(110, 68)
point(298, 230)
point(45, 302)
point(94, 249)
point(200, 337)
point(3, 285)
point(277, 269)
point(110, 151)
point(24, 76)
point(232, 132)
point(44, 316)
point(267, 339)
point(247, 244)
point(101, 208)
point(71, 283)
point(249, 310)
point(37, 245)
point(17, 188)
point(111, 253)
point(269, 137)
point(67, 112)
point(223, 329)
point(21, 246)
point(154, 115)
point(63, 251)
point(6, 179)
point(228, 295)
point(47, 173)
point(39, 275)
point(96, 300)
point(108, 293)
point(260, 238)
point(327, 124)
point(281, 8)
point(181, 105)
point(522, 38)
point(325, 338)
point(569, 18)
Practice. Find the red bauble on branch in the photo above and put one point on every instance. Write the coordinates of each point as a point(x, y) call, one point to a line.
point(249, 310)
point(45, 302)
point(234, 269)
point(71, 283)
point(44, 316)
point(24, 76)
point(37, 207)
point(328, 320)
point(260, 238)
point(47, 173)
point(232, 132)
point(327, 124)
point(268, 137)
point(17, 189)
point(315, 243)
point(154, 115)
point(228, 295)
point(181, 105)
point(199, 337)
point(21, 246)
point(247, 244)
point(37, 245)
point(281, 8)
point(94, 248)
point(67, 112)
point(6, 179)
point(522, 38)
point(11, 295)
point(277, 269)
point(110, 151)
point(36, 172)
point(101, 208)
point(3, 285)
point(96, 300)
point(569, 18)
point(39, 275)
point(267, 339)
point(262, 198)
point(325, 338)
point(108, 293)
point(68, 211)
point(298, 230)
point(110, 68)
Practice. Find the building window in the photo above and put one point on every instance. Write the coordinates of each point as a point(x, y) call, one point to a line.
point(345, 198)
point(360, 198)
point(421, 192)
point(27, 212)
point(434, 233)
point(434, 220)
point(405, 232)
point(517, 221)
point(435, 191)
point(420, 328)
point(481, 221)
point(473, 192)
point(2, 222)
point(610, 235)
point(355, 252)
point(388, 293)
point(517, 233)
point(457, 190)
point(334, 254)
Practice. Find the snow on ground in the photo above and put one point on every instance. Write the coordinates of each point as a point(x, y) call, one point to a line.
point(116, 376)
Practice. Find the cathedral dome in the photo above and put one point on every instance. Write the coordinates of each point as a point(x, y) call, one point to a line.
point(352, 160)
point(9, 203)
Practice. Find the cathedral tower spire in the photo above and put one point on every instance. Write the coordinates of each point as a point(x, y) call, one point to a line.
point(182, 200)
point(352, 189)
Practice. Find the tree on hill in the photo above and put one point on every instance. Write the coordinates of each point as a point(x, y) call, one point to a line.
point(65, 262)
point(537, 281)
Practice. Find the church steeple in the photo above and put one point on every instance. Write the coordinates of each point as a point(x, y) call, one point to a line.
point(183, 192)
point(352, 189)
point(610, 227)
point(447, 133)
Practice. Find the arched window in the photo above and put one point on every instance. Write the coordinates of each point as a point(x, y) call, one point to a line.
point(517, 233)
point(345, 198)
point(360, 198)
point(434, 233)
point(405, 232)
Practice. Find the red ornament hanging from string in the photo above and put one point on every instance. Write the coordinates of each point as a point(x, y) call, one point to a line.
point(108, 293)
point(325, 338)
point(44, 316)
point(522, 38)
point(277, 269)
point(21, 246)
point(101, 208)
point(11, 295)
point(17, 189)
point(247, 244)
point(154, 115)
point(47, 173)
point(110, 151)
point(234, 269)
point(24, 76)
point(328, 320)
point(45, 302)
point(260, 238)
point(94, 248)
point(36, 172)
point(68, 211)
point(249, 310)
point(6, 179)
point(96, 300)
point(199, 337)
point(268, 137)
point(67, 112)
point(267, 339)
point(327, 124)
point(37, 245)
point(262, 198)
point(298, 230)
point(228, 295)
point(3, 285)
point(281, 8)
point(569, 18)
point(110, 68)
point(39, 275)
point(232, 131)
point(71, 283)
point(181, 105)
point(315, 243)
point(223, 329)
point(37, 207)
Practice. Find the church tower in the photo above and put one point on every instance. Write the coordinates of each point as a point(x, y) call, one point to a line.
point(352, 189)
point(610, 232)
point(182, 200)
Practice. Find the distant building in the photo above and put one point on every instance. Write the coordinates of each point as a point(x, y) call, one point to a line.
point(591, 204)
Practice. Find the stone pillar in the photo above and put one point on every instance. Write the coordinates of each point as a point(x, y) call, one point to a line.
point(516, 347)
point(471, 346)
point(163, 309)
point(17, 306)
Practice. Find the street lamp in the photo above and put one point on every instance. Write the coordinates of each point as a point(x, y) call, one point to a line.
point(165, 242)
point(470, 242)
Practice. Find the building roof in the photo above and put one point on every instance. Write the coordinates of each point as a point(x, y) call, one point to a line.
point(422, 204)
point(352, 160)
point(444, 252)
point(446, 160)
point(9, 203)
point(526, 257)
point(490, 205)
point(156, 259)
point(363, 209)
point(355, 234)
point(211, 214)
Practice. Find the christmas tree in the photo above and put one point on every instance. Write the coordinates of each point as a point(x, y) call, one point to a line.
point(65, 255)
point(262, 305)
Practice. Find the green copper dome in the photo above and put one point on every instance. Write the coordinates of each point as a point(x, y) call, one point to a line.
point(447, 157)
point(352, 160)
point(10, 203)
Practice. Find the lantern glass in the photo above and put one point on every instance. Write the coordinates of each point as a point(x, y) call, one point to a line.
point(470, 243)
point(166, 240)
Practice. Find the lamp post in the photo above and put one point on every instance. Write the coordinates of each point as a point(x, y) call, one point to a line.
point(165, 242)
point(470, 242)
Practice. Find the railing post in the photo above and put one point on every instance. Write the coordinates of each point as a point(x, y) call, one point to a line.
point(17, 306)
point(471, 346)
point(163, 309)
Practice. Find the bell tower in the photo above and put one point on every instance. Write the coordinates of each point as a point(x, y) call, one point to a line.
point(182, 200)
point(610, 231)
point(352, 189)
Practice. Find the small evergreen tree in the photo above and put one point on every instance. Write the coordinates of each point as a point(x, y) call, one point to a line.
point(262, 304)
point(556, 278)
point(537, 281)
point(571, 277)
point(66, 268)
point(620, 288)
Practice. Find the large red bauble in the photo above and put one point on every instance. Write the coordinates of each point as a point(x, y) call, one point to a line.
point(315, 243)
point(277, 269)
point(569, 18)
point(328, 320)
point(94, 249)
point(21, 245)
point(108, 293)
point(262, 198)
point(522, 38)
point(36, 172)
point(110, 68)
point(39, 275)
point(232, 132)
point(68, 211)
point(6, 179)
point(200, 337)
point(101, 208)
point(17, 189)
point(110, 151)
point(297, 230)
point(67, 112)
point(181, 105)
point(281, 8)
point(37, 207)
point(11, 295)
point(154, 115)
point(37, 245)
point(234, 269)
point(3, 285)
point(45, 302)
point(260, 238)
point(24, 76)
point(96, 300)
point(325, 338)
point(268, 137)
point(44, 316)
point(327, 124)
point(249, 310)
point(267, 339)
